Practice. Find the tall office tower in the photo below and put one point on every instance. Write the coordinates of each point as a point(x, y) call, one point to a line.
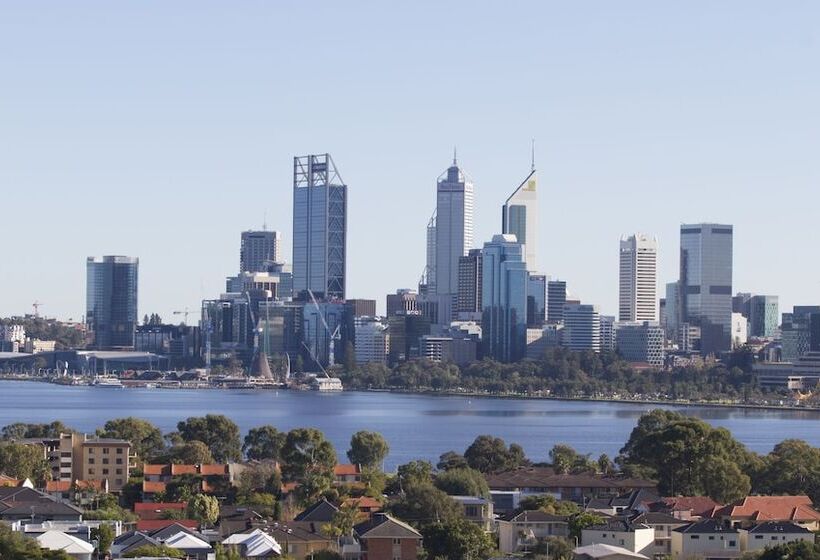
point(638, 298)
point(403, 302)
point(504, 299)
point(672, 321)
point(429, 279)
point(706, 283)
point(556, 298)
point(454, 234)
point(796, 335)
point(536, 301)
point(764, 316)
point(582, 327)
point(608, 329)
point(111, 300)
point(640, 342)
point(259, 250)
point(319, 227)
point(469, 283)
point(519, 216)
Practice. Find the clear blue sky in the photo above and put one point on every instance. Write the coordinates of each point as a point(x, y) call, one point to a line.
point(162, 129)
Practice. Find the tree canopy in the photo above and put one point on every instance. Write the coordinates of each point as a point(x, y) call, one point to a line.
point(458, 539)
point(489, 454)
point(146, 439)
point(306, 450)
point(368, 449)
point(263, 442)
point(463, 482)
point(218, 432)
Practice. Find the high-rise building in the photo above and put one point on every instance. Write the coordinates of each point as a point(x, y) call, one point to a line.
point(764, 316)
point(556, 299)
point(536, 301)
point(111, 300)
point(469, 284)
point(582, 327)
point(640, 342)
point(672, 316)
point(608, 329)
point(372, 342)
point(429, 279)
point(259, 250)
point(403, 302)
point(504, 299)
point(638, 298)
point(326, 329)
point(454, 234)
point(361, 307)
point(519, 217)
point(706, 283)
point(405, 336)
point(796, 335)
point(319, 227)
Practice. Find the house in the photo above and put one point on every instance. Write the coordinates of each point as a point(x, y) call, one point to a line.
point(300, 539)
point(87, 457)
point(71, 545)
point(522, 529)
point(33, 506)
point(150, 489)
point(366, 504)
point(772, 533)
point(240, 519)
point(15, 482)
point(708, 539)
point(81, 530)
point(755, 509)
point(575, 487)
point(166, 473)
point(81, 492)
point(158, 510)
point(384, 537)
point(347, 474)
point(605, 552)
point(320, 512)
point(635, 501)
point(635, 537)
point(477, 510)
point(687, 508)
point(175, 535)
point(148, 525)
point(663, 525)
point(255, 544)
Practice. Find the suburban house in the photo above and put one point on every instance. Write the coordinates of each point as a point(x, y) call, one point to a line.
point(253, 544)
point(605, 552)
point(687, 508)
point(82, 492)
point(634, 537)
point(320, 512)
point(192, 544)
point(772, 533)
point(367, 505)
point(75, 547)
point(708, 539)
point(477, 510)
point(14, 482)
point(755, 509)
point(386, 538)
point(87, 457)
point(166, 473)
point(240, 519)
point(32, 506)
point(520, 530)
point(347, 474)
point(158, 510)
point(636, 501)
point(663, 525)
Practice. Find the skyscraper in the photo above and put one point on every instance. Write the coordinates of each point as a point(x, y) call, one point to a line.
point(764, 316)
point(454, 234)
point(638, 298)
point(469, 284)
point(319, 227)
point(111, 300)
point(429, 279)
point(519, 217)
point(582, 327)
point(706, 283)
point(536, 301)
point(258, 250)
point(556, 299)
point(504, 299)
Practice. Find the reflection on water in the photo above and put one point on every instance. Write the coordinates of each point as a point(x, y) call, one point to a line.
point(416, 426)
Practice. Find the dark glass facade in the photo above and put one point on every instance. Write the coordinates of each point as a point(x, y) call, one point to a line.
point(111, 301)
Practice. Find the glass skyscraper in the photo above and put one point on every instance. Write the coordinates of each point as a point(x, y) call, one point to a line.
point(259, 250)
point(519, 217)
point(706, 283)
point(111, 301)
point(504, 299)
point(319, 227)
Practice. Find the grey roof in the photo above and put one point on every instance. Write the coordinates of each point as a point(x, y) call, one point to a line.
point(167, 532)
point(617, 524)
point(778, 527)
point(471, 500)
point(533, 516)
point(320, 511)
point(706, 526)
point(657, 518)
point(382, 525)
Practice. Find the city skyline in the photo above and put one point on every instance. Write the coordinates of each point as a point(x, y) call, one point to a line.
point(201, 157)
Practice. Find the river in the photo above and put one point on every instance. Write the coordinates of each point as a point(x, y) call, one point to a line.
point(416, 426)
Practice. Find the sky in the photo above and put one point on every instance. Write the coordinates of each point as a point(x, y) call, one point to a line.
point(163, 129)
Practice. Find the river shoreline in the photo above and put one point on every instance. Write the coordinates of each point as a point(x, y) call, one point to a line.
point(480, 395)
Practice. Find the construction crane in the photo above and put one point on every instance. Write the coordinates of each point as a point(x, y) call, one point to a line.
point(334, 336)
point(185, 312)
point(36, 305)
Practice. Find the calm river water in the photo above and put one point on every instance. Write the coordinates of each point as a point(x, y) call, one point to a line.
point(416, 426)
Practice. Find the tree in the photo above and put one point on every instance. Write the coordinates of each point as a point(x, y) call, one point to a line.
point(793, 467)
point(183, 488)
point(305, 450)
point(792, 551)
point(262, 477)
point(204, 509)
point(549, 504)
point(349, 357)
point(104, 535)
point(463, 482)
point(566, 460)
point(581, 521)
point(24, 461)
point(553, 548)
point(145, 438)
point(155, 551)
point(415, 472)
point(368, 449)
point(605, 465)
point(263, 442)
point(490, 454)
point(21, 430)
point(457, 540)
point(451, 460)
point(17, 546)
point(343, 520)
point(190, 453)
point(218, 432)
point(423, 503)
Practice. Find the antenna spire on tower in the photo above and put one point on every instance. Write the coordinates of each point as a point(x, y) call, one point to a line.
point(265, 221)
point(533, 154)
point(455, 159)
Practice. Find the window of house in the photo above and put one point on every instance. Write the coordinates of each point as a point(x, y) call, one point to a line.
point(91, 461)
point(91, 451)
point(119, 471)
point(732, 543)
point(105, 471)
point(711, 537)
point(119, 461)
point(90, 471)
point(119, 481)
point(758, 537)
point(694, 537)
point(105, 450)
point(621, 541)
point(396, 541)
point(105, 461)
point(119, 451)
point(773, 538)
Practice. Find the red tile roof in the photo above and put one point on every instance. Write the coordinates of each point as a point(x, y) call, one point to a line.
point(65, 485)
point(770, 508)
point(177, 470)
point(365, 503)
point(149, 487)
point(9, 481)
point(208, 470)
point(346, 470)
point(154, 524)
point(701, 506)
point(156, 510)
point(148, 469)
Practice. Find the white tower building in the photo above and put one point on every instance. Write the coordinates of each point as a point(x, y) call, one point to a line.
point(638, 298)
